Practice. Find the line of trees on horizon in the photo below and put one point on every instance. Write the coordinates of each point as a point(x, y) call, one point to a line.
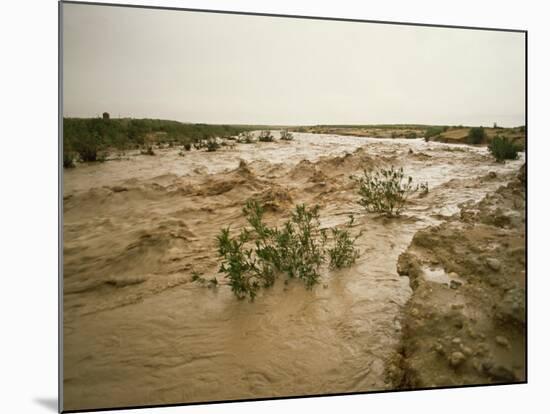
point(88, 138)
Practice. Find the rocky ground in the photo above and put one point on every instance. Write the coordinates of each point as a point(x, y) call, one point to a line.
point(465, 322)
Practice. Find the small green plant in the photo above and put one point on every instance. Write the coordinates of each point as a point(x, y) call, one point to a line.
point(411, 135)
point(265, 136)
point(343, 253)
point(476, 135)
point(286, 136)
point(386, 191)
point(503, 149)
point(239, 265)
point(187, 146)
point(300, 245)
point(196, 276)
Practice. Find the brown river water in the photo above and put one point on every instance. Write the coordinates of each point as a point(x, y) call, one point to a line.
point(137, 331)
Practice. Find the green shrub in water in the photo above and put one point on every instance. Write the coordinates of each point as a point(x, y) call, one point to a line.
point(343, 252)
point(286, 136)
point(245, 138)
point(386, 190)
point(265, 136)
point(253, 258)
point(503, 149)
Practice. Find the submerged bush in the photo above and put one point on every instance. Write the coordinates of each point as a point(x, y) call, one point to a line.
point(503, 149)
point(68, 160)
point(386, 191)
point(197, 277)
point(148, 151)
point(212, 145)
point(343, 252)
point(476, 135)
point(246, 138)
point(253, 258)
point(265, 136)
point(299, 245)
point(240, 266)
point(286, 136)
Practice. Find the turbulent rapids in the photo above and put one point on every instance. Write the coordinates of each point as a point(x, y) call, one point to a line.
point(137, 331)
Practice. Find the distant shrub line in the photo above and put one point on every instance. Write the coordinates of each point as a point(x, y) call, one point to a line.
point(87, 138)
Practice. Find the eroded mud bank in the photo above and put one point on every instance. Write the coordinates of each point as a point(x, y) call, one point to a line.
point(137, 331)
point(465, 322)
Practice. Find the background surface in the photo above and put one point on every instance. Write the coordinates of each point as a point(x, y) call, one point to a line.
point(28, 174)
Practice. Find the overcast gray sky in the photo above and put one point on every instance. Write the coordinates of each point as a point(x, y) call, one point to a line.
point(219, 68)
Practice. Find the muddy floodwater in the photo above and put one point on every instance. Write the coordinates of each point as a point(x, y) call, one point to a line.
point(137, 331)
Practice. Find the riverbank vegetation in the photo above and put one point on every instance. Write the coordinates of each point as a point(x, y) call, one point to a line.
point(88, 139)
